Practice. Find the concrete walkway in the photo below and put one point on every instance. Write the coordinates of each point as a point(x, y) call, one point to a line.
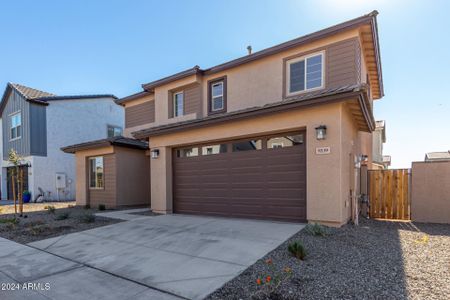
point(181, 255)
point(38, 275)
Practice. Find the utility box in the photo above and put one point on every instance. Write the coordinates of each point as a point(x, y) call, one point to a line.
point(61, 182)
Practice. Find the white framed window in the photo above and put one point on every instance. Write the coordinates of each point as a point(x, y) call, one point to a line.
point(16, 125)
point(114, 131)
point(217, 100)
point(96, 173)
point(305, 73)
point(178, 104)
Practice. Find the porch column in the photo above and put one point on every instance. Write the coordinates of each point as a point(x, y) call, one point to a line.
point(161, 181)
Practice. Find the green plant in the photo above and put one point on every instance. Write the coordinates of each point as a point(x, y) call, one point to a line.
point(316, 229)
point(297, 250)
point(87, 217)
point(26, 193)
point(10, 221)
point(38, 229)
point(50, 208)
point(87, 206)
point(62, 216)
point(101, 207)
point(270, 282)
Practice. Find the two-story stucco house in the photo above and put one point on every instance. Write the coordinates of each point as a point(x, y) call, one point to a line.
point(37, 124)
point(277, 134)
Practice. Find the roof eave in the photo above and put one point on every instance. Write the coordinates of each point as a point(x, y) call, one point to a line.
point(149, 87)
point(357, 93)
point(132, 97)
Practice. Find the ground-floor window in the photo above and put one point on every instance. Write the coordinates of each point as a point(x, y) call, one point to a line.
point(96, 172)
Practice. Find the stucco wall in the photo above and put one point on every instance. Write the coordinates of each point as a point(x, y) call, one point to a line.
point(71, 122)
point(260, 82)
point(326, 188)
point(430, 192)
point(127, 177)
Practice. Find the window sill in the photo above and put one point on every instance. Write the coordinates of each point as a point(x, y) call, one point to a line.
point(15, 139)
point(291, 95)
point(216, 112)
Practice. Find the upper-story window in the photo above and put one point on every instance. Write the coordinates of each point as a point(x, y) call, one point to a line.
point(16, 126)
point(114, 131)
point(217, 95)
point(305, 73)
point(178, 104)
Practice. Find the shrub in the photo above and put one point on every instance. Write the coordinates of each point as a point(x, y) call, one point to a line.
point(62, 216)
point(50, 208)
point(316, 229)
point(101, 207)
point(13, 221)
point(87, 206)
point(87, 217)
point(39, 229)
point(270, 282)
point(297, 250)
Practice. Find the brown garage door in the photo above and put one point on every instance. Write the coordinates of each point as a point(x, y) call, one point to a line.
point(263, 178)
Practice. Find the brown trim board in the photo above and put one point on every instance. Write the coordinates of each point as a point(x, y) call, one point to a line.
point(209, 87)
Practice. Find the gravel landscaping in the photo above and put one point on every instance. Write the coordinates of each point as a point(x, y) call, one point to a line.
point(376, 260)
point(41, 223)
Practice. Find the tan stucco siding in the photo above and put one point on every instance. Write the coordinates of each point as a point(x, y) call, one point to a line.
point(262, 81)
point(82, 196)
point(350, 175)
point(133, 177)
point(430, 192)
point(324, 172)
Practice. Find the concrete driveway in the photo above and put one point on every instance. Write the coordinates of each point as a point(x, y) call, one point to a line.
point(185, 256)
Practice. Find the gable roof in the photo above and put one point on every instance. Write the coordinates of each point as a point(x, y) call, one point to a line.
point(30, 93)
point(113, 141)
point(41, 97)
point(369, 19)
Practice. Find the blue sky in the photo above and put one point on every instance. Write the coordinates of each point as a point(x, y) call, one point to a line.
point(81, 47)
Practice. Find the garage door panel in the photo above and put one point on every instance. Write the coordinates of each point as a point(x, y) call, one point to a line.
point(261, 184)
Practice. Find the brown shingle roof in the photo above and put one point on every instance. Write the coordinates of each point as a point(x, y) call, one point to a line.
point(41, 97)
point(113, 141)
point(30, 93)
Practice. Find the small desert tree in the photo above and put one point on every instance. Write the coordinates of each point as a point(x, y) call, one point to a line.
point(17, 179)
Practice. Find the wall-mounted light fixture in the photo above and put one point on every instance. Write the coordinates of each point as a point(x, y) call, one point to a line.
point(154, 153)
point(321, 132)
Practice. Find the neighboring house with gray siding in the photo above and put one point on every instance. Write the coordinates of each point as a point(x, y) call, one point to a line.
point(36, 124)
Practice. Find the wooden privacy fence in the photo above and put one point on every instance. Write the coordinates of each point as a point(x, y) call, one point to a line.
point(389, 194)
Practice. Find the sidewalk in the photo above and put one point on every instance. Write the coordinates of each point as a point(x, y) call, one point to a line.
point(36, 275)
